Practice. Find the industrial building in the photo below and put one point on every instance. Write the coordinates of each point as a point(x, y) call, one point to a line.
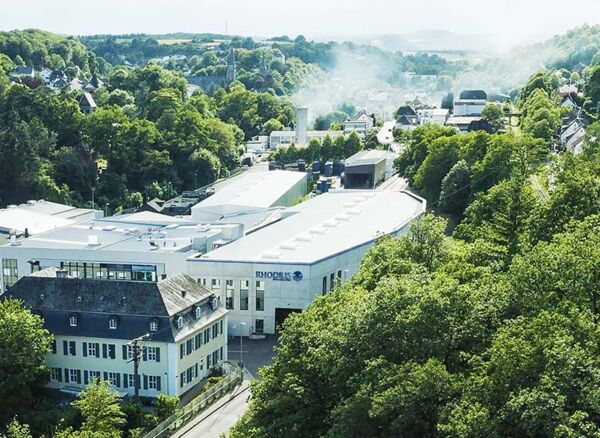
point(366, 169)
point(254, 191)
point(283, 267)
point(140, 246)
point(301, 136)
point(183, 325)
point(34, 217)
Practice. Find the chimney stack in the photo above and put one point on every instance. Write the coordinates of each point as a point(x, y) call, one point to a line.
point(301, 125)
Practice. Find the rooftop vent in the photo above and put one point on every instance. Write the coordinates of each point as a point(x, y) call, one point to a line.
point(13, 240)
point(271, 255)
point(183, 293)
point(61, 273)
point(109, 228)
point(304, 238)
point(93, 240)
point(330, 224)
point(289, 245)
point(317, 230)
point(353, 212)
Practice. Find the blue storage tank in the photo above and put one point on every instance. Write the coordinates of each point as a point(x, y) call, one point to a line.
point(316, 166)
point(323, 186)
point(316, 176)
point(328, 169)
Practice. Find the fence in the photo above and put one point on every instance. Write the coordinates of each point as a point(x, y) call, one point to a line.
point(193, 408)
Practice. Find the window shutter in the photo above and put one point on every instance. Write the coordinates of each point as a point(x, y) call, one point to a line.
point(145, 381)
point(158, 354)
point(124, 352)
point(79, 377)
point(118, 380)
point(144, 354)
point(59, 375)
point(181, 351)
point(125, 380)
point(86, 379)
point(54, 346)
point(97, 349)
point(181, 380)
point(85, 349)
point(105, 375)
point(158, 383)
point(196, 370)
point(66, 375)
point(74, 345)
point(104, 351)
point(65, 348)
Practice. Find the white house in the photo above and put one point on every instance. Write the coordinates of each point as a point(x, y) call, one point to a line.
point(470, 103)
point(93, 323)
point(361, 123)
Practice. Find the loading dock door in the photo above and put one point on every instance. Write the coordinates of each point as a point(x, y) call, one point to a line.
point(282, 314)
point(358, 180)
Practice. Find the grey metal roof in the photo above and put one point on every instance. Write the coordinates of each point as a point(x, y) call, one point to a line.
point(473, 95)
point(45, 291)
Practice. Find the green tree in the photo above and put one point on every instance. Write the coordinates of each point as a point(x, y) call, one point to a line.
point(24, 344)
point(456, 187)
point(100, 409)
point(494, 115)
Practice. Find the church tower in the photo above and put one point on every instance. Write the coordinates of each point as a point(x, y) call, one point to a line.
point(231, 71)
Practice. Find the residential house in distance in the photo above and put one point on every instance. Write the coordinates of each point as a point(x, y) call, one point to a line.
point(93, 323)
point(22, 72)
point(433, 116)
point(470, 103)
point(361, 123)
point(407, 118)
point(87, 103)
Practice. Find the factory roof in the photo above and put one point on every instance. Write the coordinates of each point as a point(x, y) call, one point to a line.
point(250, 191)
point(323, 227)
point(369, 156)
point(19, 219)
point(135, 232)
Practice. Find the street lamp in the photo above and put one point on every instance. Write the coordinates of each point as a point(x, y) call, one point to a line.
point(242, 325)
point(195, 180)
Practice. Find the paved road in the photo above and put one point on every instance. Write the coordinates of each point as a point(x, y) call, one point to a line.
point(386, 133)
point(220, 421)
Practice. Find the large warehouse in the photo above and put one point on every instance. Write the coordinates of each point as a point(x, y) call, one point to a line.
point(281, 268)
point(367, 169)
point(253, 191)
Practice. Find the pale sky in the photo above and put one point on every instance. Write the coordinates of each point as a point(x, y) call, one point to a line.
point(510, 20)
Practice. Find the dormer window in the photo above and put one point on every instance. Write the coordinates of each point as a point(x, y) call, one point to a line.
point(179, 322)
point(153, 326)
point(198, 312)
point(112, 323)
point(73, 320)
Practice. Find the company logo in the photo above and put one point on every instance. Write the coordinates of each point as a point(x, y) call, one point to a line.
point(297, 276)
point(280, 276)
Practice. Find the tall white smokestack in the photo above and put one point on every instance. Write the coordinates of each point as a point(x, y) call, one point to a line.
point(301, 125)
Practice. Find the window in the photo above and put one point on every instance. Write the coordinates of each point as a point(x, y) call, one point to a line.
point(111, 351)
point(324, 289)
point(208, 362)
point(339, 274)
point(198, 312)
point(72, 348)
point(53, 346)
point(221, 325)
point(73, 376)
point(129, 351)
point(91, 349)
point(73, 320)
point(152, 382)
point(181, 350)
point(215, 330)
point(93, 375)
point(332, 281)
point(10, 273)
point(189, 347)
point(260, 326)
point(153, 326)
point(131, 380)
point(206, 336)
point(202, 281)
point(55, 374)
point(109, 271)
point(198, 341)
point(179, 322)
point(215, 285)
point(112, 323)
point(113, 379)
point(189, 374)
point(151, 353)
point(244, 287)
point(260, 295)
point(229, 294)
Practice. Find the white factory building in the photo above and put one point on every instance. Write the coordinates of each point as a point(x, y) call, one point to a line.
point(283, 267)
point(301, 136)
point(251, 192)
point(141, 246)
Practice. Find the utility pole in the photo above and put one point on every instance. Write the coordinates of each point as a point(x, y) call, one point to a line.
point(137, 355)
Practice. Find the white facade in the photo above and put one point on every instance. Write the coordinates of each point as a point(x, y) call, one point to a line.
point(284, 266)
point(279, 139)
point(469, 107)
point(433, 116)
point(361, 124)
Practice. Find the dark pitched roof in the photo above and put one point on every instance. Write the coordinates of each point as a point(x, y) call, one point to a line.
point(405, 110)
point(133, 303)
point(45, 291)
point(473, 95)
point(403, 120)
point(87, 100)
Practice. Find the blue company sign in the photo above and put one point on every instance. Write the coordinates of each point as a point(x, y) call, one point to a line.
point(280, 276)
